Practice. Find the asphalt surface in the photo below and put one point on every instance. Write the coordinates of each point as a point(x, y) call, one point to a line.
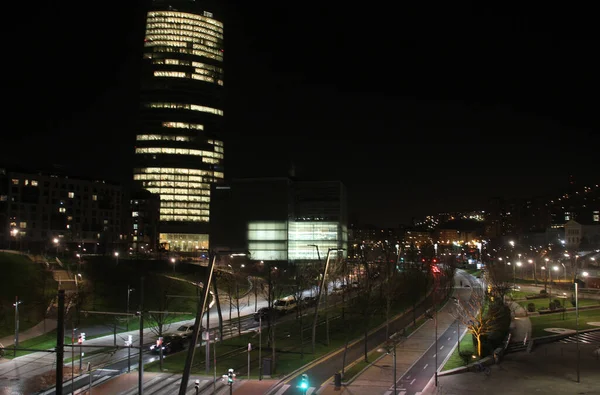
point(418, 376)
point(321, 373)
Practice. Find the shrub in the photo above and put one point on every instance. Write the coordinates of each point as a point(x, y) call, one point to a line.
point(543, 292)
point(531, 307)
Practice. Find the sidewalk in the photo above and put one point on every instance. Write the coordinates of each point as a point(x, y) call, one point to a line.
point(45, 326)
point(378, 377)
point(520, 325)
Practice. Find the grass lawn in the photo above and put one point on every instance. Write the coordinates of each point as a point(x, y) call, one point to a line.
point(34, 286)
point(293, 344)
point(516, 295)
point(43, 342)
point(466, 346)
point(538, 323)
point(543, 303)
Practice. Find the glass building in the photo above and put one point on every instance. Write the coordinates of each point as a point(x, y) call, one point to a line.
point(179, 150)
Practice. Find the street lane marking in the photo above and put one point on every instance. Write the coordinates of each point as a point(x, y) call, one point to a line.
point(412, 382)
point(449, 338)
point(425, 367)
point(441, 347)
point(282, 389)
point(432, 357)
point(310, 390)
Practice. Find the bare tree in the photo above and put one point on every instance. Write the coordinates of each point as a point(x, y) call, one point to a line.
point(498, 279)
point(159, 323)
point(476, 317)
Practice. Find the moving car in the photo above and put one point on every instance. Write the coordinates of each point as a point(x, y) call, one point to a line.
point(170, 344)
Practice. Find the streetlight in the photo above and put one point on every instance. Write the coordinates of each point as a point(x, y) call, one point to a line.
point(531, 261)
point(117, 256)
point(16, 304)
point(391, 346)
point(129, 290)
point(56, 242)
point(320, 292)
point(15, 232)
point(584, 274)
point(173, 262)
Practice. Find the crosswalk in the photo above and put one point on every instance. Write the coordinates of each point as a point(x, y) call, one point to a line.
point(168, 385)
point(402, 392)
point(285, 387)
point(586, 337)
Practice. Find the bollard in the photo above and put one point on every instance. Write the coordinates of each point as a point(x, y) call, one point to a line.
point(337, 380)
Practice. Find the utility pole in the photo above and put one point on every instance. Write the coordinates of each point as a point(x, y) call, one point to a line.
point(60, 341)
point(141, 353)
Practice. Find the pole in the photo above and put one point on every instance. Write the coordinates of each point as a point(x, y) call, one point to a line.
point(141, 351)
point(215, 365)
point(395, 384)
point(259, 346)
point(207, 348)
point(255, 295)
point(60, 341)
point(458, 335)
point(577, 326)
point(320, 292)
point(16, 325)
point(72, 355)
point(129, 358)
point(249, 348)
point(197, 324)
point(128, 290)
point(436, 333)
point(90, 373)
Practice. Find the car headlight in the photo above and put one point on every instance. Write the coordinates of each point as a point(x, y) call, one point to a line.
point(152, 347)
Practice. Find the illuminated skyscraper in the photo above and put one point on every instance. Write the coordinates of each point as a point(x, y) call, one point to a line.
point(179, 149)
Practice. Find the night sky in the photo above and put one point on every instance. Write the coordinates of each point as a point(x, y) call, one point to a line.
point(417, 110)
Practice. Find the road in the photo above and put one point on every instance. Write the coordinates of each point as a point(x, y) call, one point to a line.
point(322, 372)
point(418, 376)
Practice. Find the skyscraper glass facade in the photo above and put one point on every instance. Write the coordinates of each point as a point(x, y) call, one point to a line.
point(179, 149)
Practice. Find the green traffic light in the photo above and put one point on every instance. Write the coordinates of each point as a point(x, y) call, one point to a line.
point(304, 385)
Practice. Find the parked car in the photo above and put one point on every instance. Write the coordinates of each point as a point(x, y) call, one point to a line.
point(184, 331)
point(285, 305)
point(170, 344)
point(265, 314)
point(308, 301)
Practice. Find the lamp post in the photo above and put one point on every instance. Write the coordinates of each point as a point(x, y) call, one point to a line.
point(173, 262)
point(320, 292)
point(129, 291)
point(16, 304)
point(584, 274)
point(56, 242)
point(14, 233)
point(532, 261)
point(117, 257)
point(393, 341)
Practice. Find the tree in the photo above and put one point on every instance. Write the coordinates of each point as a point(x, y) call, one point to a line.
point(476, 317)
point(158, 321)
point(498, 279)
